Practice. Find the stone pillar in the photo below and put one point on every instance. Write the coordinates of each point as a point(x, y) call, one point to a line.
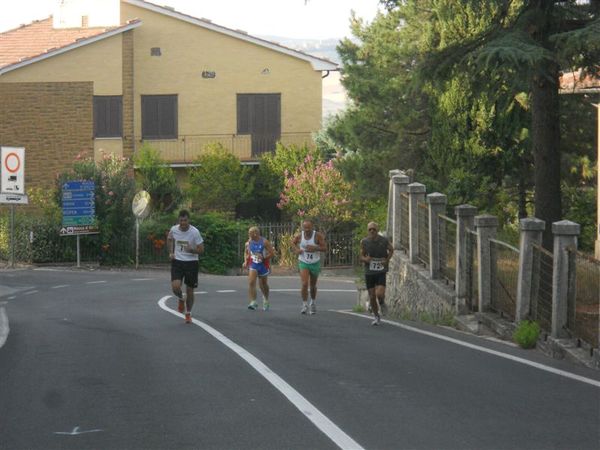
point(531, 233)
point(437, 205)
point(465, 218)
point(390, 212)
point(487, 227)
point(565, 235)
point(416, 193)
point(400, 187)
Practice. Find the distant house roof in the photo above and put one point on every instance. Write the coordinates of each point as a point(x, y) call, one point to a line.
point(39, 40)
point(575, 83)
point(317, 63)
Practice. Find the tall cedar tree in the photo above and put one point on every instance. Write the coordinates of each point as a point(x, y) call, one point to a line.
point(532, 40)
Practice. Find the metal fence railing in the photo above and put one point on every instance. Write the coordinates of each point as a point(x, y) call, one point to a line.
point(423, 231)
point(541, 287)
point(472, 299)
point(404, 221)
point(447, 241)
point(505, 275)
point(583, 310)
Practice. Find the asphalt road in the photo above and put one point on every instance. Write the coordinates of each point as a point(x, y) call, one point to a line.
point(101, 360)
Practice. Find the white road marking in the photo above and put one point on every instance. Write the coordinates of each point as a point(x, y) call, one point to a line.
point(60, 286)
point(318, 290)
point(517, 359)
point(76, 432)
point(322, 422)
point(95, 282)
point(30, 292)
point(4, 328)
point(12, 297)
point(200, 292)
point(141, 279)
point(226, 291)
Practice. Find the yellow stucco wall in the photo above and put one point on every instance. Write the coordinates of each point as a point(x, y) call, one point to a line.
point(100, 62)
point(208, 106)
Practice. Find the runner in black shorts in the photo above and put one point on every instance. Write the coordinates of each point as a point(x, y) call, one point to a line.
point(376, 252)
point(185, 244)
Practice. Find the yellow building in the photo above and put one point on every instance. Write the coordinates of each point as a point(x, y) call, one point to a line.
point(111, 74)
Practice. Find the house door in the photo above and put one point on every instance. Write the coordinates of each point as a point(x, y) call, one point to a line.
point(260, 116)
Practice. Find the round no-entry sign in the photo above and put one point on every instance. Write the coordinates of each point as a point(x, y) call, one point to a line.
point(12, 162)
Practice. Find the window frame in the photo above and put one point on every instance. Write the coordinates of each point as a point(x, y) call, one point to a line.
point(159, 103)
point(103, 109)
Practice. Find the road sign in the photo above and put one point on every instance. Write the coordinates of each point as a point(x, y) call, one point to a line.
point(14, 199)
point(12, 170)
point(78, 208)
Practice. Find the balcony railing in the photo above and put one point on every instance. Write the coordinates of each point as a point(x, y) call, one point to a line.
point(187, 148)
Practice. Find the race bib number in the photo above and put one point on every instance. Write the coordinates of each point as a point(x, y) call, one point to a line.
point(309, 256)
point(376, 265)
point(256, 257)
point(182, 245)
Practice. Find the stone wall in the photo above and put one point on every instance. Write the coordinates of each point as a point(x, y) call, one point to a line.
point(413, 294)
point(53, 121)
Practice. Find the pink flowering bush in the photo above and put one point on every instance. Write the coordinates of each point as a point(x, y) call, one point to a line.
point(316, 189)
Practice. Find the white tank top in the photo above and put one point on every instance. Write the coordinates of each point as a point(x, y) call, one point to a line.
point(309, 257)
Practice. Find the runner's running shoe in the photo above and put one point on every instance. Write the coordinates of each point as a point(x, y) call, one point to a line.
point(377, 320)
point(266, 305)
point(188, 318)
point(304, 309)
point(313, 308)
point(252, 305)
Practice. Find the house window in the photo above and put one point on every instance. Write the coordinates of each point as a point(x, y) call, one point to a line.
point(108, 116)
point(159, 116)
point(260, 116)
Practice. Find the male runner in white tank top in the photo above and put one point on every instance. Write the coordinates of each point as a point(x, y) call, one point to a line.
point(307, 245)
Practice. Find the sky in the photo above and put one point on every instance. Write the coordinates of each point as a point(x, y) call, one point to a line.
point(303, 19)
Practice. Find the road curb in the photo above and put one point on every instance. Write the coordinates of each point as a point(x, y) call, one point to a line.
point(4, 328)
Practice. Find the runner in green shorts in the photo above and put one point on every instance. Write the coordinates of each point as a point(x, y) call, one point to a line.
point(308, 245)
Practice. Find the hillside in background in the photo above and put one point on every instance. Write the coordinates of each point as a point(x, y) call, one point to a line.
point(334, 96)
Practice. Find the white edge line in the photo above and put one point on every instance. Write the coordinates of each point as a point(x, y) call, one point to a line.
point(517, 359)
point(319, 289)
point(141, 279)
point(322, 422)
point(4, 328)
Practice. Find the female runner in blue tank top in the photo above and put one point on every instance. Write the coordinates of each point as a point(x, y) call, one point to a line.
point(258, 254)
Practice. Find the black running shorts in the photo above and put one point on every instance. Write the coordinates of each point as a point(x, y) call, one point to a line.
point(375, 279)
point(186, 271)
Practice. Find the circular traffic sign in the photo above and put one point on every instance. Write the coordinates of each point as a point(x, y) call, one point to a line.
point(13, 164)
point(141, 205)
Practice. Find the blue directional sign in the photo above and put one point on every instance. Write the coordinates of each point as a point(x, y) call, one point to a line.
point(78, 208)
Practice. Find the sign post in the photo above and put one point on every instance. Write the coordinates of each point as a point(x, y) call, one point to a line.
point(12, 186)
point(79, 211)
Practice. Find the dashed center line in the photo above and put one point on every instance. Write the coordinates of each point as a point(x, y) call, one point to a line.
point(200, 292)
point(141, 279)
point(30, 292)
point(226, 291)
point(60, 286)
point(95, 282)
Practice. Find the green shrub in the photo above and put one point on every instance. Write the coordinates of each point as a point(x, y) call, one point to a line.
point(526, 334)
point(223, 239)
